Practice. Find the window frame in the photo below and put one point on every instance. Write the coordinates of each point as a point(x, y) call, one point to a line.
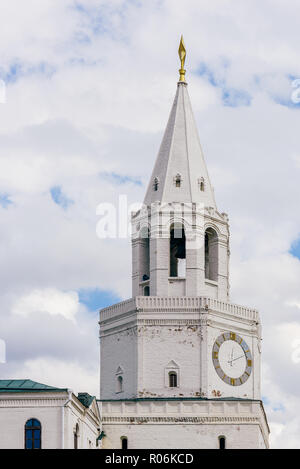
point(172, 366)
point(171, 374)
point(177, 180)
point(119, 384)
point(32, 429)
point(201, 184)
point(124, 438)
point(176, 242)
point(211, 254)
point(222, 438)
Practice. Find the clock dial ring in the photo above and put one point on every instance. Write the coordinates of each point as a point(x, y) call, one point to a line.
point(226, 336)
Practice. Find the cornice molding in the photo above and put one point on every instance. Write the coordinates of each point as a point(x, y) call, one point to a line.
point(179, 420)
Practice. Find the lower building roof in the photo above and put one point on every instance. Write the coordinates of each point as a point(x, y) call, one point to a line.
point(26, 385)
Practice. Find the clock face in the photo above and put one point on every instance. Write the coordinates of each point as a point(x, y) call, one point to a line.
point(232, 358)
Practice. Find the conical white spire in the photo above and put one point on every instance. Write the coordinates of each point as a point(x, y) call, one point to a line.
point(180, 157)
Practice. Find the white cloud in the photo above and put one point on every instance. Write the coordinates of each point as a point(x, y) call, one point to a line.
point(282, 410)
point(63, 374)
point(48, 301)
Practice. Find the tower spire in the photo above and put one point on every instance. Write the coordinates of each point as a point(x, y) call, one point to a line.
point(180, 173)
point(182, 54)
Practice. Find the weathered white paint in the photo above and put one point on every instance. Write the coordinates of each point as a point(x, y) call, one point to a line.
point(185, 424)
point(145, 334)
point(48, 407)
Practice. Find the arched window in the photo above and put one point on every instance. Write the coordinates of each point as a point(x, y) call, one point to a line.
point(177, 180)
point(177, 251)
point(155, 184)
point(211, 255)
point(201, 184)
point(147, 290)
point(222, 442)
point(76, 436)
point(124, 442)
point(33, 434)
point(120, 384)
point(172, 379)
point(145, 252)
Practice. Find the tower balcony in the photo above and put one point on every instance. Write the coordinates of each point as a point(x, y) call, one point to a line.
point(176, 305)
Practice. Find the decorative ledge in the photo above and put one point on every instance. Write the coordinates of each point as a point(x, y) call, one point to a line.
point(145, 304)
point(208, 412)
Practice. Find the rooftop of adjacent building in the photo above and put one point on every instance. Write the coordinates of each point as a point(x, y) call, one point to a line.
point(21, 385)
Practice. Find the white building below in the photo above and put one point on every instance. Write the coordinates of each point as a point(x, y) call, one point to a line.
point(34, 415)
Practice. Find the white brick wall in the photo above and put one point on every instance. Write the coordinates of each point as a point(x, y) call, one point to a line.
point(183, 436)
point(185, 424)
point(144, 335)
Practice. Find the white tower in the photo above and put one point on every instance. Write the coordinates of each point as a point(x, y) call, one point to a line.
point(180, 364)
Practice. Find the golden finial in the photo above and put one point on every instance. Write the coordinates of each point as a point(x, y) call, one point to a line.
point(182, 54)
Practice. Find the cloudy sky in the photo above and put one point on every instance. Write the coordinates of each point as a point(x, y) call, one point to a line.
point(88, 89)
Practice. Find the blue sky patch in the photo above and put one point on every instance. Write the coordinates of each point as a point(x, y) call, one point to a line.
point(60, 198)
point(278, 408)
point(265, 400)
point(230, 96)
point(94, 298)
point(235, 98)
point(18, 70)
point(94, 18)
point(11, 75)
point(204, 71)
point(120, 179)
point(287, 102)
point(5, 200)
point(288, 95)
point(295, 248)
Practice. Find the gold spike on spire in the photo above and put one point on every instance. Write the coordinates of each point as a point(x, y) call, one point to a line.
point(182, 54)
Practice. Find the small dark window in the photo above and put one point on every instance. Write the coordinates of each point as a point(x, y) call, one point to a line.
point(119, 384)
point(144, 252)
point(76, 436)
point(33, 434)
point(173, 379)
point(222, 442)
point(178, 180)
point(146, 291)
point(155, 184)
point(201, 184)
point(177, 251)
point(124, 442)
point(211, 255)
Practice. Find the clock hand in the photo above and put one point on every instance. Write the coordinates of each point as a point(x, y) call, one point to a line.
point(230, 361)
point(231, 357)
